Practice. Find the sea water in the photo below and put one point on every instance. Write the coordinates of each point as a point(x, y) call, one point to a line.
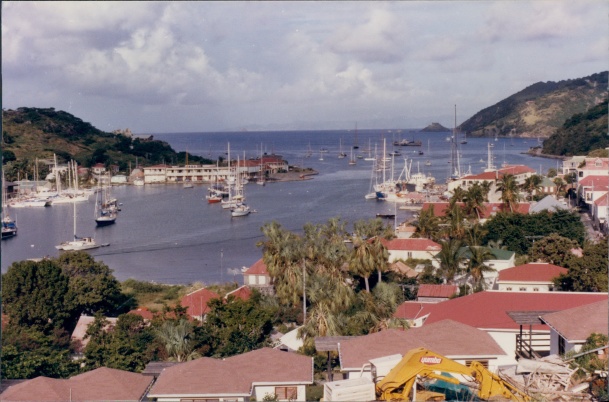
point(169, 234)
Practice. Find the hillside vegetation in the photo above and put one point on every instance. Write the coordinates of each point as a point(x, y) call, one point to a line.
point(34, 133)
point(581, 134)
point(540, 109)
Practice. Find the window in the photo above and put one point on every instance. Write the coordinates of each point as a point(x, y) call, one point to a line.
point(509, 289)
point(523, 289)
point(289, 393)
point(410, 254)
point(535, 289)
point(561, 345)
point(199, 400)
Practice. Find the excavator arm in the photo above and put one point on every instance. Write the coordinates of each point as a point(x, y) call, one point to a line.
point(423, 363)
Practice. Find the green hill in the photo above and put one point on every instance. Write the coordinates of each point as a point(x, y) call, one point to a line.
point(540, 109)
point(581, 134)
point(31, 133)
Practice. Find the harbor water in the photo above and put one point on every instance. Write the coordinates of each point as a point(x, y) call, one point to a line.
point(170, 234)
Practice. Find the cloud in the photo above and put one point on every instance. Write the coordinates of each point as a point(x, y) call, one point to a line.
point(379, 39)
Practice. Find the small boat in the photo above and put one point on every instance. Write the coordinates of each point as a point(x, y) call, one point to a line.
point(213, 198)
point(341, 154)
point(464, 140)
point(240, 209)
point(138, 182)
point(78, 243)
point(9, 227)
point(106, 218)
point(427, 162)
point(30, 202)
point(421, 152)
point(385, 216)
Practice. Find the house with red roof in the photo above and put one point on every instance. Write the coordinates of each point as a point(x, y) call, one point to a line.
point(243, 292)
point(143, 312)
point(593, 167)
point(257, 374)
point(494, 312)
point(257, 276)
point(592, 188)
point(436, 293)
point(570, 328)
point(520, 172)
point(403, 249)
point(532, 277)
point(196, 303)
point(600, 211)
point(101, 384)
point(455, 340)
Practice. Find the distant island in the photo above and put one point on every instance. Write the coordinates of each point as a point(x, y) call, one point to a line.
point(435, 128)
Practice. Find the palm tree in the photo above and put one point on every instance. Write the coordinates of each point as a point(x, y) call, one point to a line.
point(368, 256)
point(509, 191)
point(427, 224)
point(450, 259)
point(531, 184)
point(455, 218)
point(378, 307)
point(475, 234)
point(458, 194)
point(474, 200)
point(560, 184)
point(476, 266)
point(176, 337)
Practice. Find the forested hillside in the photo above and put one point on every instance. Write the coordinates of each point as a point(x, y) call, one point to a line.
point(540, 109)
point(30, 133)
point(582, 133)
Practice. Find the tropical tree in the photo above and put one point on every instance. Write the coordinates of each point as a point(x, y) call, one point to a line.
point(450, 258)
point(477, 267)
point(508, 186)
point(531, 185)
point(330, 301)
point(177, 339)
point(474, 200)
point(553, 249)
point(375, 310)
point(456, 223)
point(369, 253)
point(427, 224)
point(459, 194)
point(475, 235)
point(587, 273)
point(560, 185)
point(36, 294)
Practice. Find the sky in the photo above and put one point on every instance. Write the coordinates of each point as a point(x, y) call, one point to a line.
point(158, 67)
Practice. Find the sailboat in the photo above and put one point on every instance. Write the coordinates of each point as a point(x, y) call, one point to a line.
point(106, 209)
point(428, 161)
point(341, 154)
point(262, 173)
point(355, 145)
point(352, 160)
point(187, 179)
point(370, 157)
point(239, 208)
point(78, 243)
point(464, 140)
point(9, 226)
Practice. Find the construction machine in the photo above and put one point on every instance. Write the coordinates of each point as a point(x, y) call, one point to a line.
point(421, 368)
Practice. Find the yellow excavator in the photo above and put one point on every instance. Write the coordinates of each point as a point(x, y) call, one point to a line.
point(421, 365)
point(423, 375)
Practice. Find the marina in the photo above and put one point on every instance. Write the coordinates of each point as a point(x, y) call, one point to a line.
point(167, 234)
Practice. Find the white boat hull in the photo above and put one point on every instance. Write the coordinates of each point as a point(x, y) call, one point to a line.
point(86, 243)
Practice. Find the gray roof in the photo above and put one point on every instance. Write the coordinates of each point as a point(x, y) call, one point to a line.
point(548, 202)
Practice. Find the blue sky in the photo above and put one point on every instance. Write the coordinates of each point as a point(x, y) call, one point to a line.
point(214, 66)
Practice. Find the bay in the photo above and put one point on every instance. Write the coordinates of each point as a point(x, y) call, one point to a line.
point(169, 234)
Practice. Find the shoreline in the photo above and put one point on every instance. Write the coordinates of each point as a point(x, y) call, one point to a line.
point(536, 152)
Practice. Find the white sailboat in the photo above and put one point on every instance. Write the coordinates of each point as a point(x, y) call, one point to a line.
point(9, 226)
point(352, 160)
point(78, 243)
point(240, 208)
point(106, 208)
point(341, 154)
point(428, 161)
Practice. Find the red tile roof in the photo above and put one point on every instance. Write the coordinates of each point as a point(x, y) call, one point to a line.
point(442, 291)
point(243, 293)
point(603, 200)
point(447, 337)
point(576, 324)
point(533, 272)
point(516, 169)
point(143, 312)
point(234, 375)
point(594, 181)
point(488, 310)
point(259, 268)
point(411, 244)
point(101, 384)
point(488, 176)
point(196, 302)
